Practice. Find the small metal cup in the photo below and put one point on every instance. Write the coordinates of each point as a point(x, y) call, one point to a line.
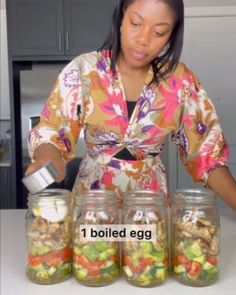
point(41, 178)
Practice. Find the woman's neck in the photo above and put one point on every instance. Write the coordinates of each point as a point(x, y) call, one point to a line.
point(126, 69)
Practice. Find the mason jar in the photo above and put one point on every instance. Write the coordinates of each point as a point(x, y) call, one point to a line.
point(96, 261)
point(195, 237)
point(145, 262)
point(48, 233)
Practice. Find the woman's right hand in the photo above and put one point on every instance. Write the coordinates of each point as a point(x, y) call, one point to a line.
point(44, 153)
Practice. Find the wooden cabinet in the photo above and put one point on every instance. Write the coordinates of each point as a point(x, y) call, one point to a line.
point(6, 198)
point(57, 27)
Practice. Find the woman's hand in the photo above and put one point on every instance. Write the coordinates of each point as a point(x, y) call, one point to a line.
point(44, 153)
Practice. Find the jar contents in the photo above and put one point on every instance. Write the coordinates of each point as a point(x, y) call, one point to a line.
point(196, 245)
point(145, 263)
point(48, 229)
point(96, 263)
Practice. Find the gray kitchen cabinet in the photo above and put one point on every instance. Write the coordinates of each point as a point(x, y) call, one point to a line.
point(35, 27)
point(5, 187)
point(57, 27)
point(87, 24)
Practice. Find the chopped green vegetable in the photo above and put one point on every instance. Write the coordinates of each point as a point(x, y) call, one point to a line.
point(39, 250)
point(90, 252)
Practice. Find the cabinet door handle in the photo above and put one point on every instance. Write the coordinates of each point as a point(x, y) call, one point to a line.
point(67, 42)
point(5, 177)
point(59, 41)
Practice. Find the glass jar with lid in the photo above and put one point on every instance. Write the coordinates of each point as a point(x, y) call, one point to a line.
point(49, 239)
point(96, 261)
point(195, 237)
point(144, 262)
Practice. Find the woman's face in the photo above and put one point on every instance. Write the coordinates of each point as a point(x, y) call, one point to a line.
point(146, 28)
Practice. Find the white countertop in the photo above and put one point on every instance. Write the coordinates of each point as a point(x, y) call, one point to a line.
point(13, 258)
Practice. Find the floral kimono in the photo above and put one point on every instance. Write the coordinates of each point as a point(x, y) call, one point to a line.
point(88, 96)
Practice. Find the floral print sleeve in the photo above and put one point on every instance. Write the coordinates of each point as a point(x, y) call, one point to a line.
point(62, 116)
point(200, 139)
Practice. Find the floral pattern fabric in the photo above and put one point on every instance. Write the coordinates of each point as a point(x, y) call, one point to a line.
point(88, 96)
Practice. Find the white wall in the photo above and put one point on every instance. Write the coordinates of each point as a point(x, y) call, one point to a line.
point(4, 76)
point(203, 3)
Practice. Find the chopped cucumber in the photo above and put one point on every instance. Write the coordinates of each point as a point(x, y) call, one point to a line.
point(128, 271)
point(180, 268)
point(35, 251)
point(52, 270)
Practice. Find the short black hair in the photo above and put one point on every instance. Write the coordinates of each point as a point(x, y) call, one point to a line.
point(165, 63)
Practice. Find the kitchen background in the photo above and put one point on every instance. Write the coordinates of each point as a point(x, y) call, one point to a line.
point(37, 79)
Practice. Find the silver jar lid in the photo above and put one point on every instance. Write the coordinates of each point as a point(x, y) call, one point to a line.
point(41, 178)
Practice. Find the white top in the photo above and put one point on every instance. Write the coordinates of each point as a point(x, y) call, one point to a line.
point(14, 281)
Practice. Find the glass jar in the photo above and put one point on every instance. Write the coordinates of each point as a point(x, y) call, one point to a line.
point(96, 262)
point(195, 233)
point(145, 263)
point(48, 232)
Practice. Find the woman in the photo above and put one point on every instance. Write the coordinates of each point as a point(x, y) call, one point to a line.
point(129, 97)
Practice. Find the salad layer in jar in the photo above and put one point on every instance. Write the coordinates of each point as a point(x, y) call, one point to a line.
point(145, 263)
point(50, 252)
point(195, 252)
point(95, 263)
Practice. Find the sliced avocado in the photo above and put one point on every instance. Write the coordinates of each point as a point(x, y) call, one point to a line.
point(110, 252)
point(107, 253)
point(90, 252)
point(145, 279)
point(207, 266)
point(201, 259)
point(101, 246)
point(161, 273)
point(77, 250)
point(158, 256)
point(193, 251)
point(81, 273)
point(135, 255)
point(146, 247)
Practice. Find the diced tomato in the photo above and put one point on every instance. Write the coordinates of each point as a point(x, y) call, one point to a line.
point(82, 260)
point(94, 269)
point(55, 261)
point(137, 268)
point(127, 261)
point(212, 260)
point(114, 258)
point(181, 259)
point(66, 254)
point(146, 262)
point(195, 269)
point(98, 262)
point(166, 260)
point(50, 256)
point(35, 260)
